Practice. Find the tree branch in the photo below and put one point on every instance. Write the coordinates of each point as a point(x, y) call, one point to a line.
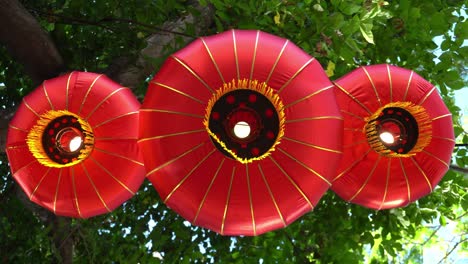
point(101, 23)
point(28, 43)
point(459, 169)
point(131, 74)
point(452, 249)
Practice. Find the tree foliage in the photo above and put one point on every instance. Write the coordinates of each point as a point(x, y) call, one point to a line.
point(342, 35)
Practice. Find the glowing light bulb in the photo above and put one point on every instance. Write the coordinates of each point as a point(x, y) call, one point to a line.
point(75, 143)
point(387, 137)
point(241, 129)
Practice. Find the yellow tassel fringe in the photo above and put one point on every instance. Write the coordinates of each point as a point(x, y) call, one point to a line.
point(34, 139)
point(259, 87)
point(424, 127)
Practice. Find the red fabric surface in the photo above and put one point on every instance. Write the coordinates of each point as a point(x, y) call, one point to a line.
point(369, 179)
point(113, 171)
point(206, 187)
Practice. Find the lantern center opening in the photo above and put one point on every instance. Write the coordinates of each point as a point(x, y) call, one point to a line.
point(390, 131)
point(241, 129)
point(244, 124)
point(395, 131)
point(69, 140)
point(60, 139)
point(387, 137)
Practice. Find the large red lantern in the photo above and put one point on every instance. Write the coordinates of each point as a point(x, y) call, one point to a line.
point(398, 137)
point(72, 145)
point(235, 133)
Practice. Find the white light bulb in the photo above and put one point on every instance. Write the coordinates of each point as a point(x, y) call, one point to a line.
point(75, 143)
point(387, 137)
point(241, 129)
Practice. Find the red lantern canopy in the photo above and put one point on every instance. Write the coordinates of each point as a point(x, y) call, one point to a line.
point(72, 145)
point(398, 137)
point(235, 135)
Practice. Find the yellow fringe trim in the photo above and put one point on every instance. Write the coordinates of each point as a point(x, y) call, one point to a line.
point(424, 129)
point(259, 87)
point(34, 139)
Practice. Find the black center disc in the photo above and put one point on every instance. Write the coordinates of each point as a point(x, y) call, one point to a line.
point(51, 137)
point(245, 106)
point(404, 123)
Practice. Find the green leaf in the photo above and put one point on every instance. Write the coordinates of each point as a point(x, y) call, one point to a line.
point(349, 8)
point(461, 30)
point(330, 69)
point(366, 31)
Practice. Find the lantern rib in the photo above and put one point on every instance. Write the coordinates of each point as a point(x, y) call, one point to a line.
point(441, 116)
point(444, 138)
point(367, 179)
point(114, 118)
point(305, 166)
point(312, 145)
point(187, 176)
point(94, 187)
point(47, 95)
point(172, 135)
point(386, 184)
point(352, 97)
point(112, 176)
point(271, 195)
point(72, 169)
point(117, 155)
point(87, 93)
point(179, 92)
point(104, 100)
point(25, 166)
point(212, 59)
point(39, 183)
point(435, 157)
point(408, 187)
point(373, 85)
point(390, 83)
point(408, 85)
point(427, 96)
point(228, 198)
point(193, 73)
point(351, 166)
point(276, 61)
point(308, 96)
point(292, 182)
point(17, 147)
point(208, 190)
point(254, 55)
point(67, 90)
point(312, 119)
point(30, 108)
point(353, 115)
point(171, 112)
point(422, 172)
point(254, 227)
point(17, 128)
point(174, 159)
point(235, 53)
point(57, 189)
point(295, 75)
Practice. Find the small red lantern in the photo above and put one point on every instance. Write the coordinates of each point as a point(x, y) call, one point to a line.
point(235, 134)
point(72, 145)
point(398, 137)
